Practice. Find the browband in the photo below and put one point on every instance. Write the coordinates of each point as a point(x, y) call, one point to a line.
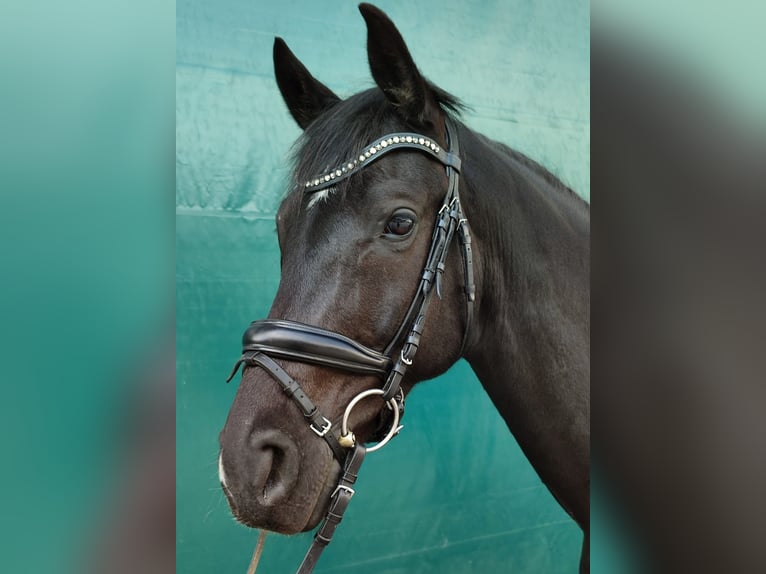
point(378, 149)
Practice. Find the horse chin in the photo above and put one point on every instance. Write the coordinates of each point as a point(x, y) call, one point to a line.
point(323, 499)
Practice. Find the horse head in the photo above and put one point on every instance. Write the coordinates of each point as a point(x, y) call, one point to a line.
point(355, 233)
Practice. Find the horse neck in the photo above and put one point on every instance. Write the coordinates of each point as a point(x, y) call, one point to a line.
point(530, 344)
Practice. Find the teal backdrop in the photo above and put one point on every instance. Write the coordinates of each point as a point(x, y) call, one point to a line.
point(453, 493)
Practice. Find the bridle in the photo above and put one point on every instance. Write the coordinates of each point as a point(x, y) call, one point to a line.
point(268, 339)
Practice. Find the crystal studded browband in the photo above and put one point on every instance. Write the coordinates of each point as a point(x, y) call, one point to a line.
point(377, 149)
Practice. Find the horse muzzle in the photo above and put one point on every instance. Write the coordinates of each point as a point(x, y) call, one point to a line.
point(270, 483)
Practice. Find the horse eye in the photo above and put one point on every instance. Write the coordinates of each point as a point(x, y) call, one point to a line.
point(400, 225)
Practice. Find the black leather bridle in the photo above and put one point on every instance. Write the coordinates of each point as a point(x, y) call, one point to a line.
point(268, 339)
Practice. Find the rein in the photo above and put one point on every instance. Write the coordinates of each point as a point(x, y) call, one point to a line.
point(283, 339)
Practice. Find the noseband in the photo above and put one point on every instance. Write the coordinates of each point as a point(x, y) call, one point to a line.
point(268, 339)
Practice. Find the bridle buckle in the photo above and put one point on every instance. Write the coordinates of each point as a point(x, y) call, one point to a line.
point(321, 431)
point(348, 489)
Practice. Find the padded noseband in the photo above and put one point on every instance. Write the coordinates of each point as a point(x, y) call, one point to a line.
point(308, 344)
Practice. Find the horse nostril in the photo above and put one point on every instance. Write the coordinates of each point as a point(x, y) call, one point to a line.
point(275, 465)
point(274, 488)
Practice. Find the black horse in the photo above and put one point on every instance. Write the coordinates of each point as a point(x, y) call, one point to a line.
point(353, 254)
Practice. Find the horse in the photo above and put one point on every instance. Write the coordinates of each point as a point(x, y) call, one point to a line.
point(383, 183)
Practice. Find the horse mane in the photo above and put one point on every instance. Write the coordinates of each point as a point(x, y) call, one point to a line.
point(351, 124)
point(543, 172)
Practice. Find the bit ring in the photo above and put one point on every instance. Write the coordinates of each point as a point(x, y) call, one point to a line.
point(395, 428)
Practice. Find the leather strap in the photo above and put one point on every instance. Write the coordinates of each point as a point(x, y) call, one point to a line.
point(319, 424)
point(338, 504)
point(450, 219)
point(469, 286)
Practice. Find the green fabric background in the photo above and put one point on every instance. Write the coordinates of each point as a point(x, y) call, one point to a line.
point(453, 493)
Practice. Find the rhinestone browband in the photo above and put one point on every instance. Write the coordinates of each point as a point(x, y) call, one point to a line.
point(377, 149)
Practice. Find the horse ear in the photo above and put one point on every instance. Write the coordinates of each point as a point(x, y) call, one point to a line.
point(395, 71)
point(305, 96)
